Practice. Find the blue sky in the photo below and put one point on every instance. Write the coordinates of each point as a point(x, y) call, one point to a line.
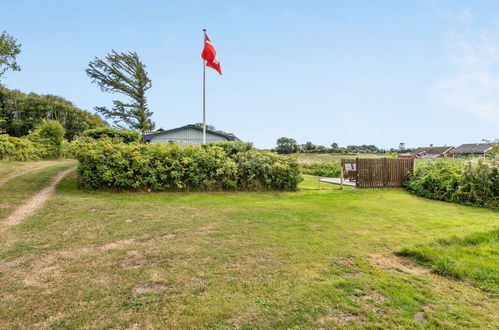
point(351, 72)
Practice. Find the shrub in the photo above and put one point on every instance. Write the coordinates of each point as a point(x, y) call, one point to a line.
point(264, 170)
point(474, 182)
point(495, 150)
point(480, 183)
point(68, 149)
point(155, 166)
point(48, 138)
point(17, 149)
point(231, 148)
point(46, 141)
point(126, 136)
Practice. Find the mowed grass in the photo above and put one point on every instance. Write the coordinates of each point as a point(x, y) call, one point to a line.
point(317, 258)
point(9, 170)
point(29, 179)
point(473, 258)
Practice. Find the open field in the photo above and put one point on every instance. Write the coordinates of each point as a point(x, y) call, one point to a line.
point(320, 257)
point(321, 158)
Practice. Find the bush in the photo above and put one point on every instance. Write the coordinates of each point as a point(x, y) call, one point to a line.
point(231, 148)
point(68, 149)
point(48, 138)
point(264, 170)
point(155, 166)
point(480, 183)
point(107, 132)
point(327, 169)
point(475, 182)
point(46, 141)
point(17, 149)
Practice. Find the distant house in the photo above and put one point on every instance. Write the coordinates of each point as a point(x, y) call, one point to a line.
point(188, 134)
point(472, 149)
point(429, 152)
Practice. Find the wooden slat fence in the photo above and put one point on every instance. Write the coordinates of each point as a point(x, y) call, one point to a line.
point(383, 172)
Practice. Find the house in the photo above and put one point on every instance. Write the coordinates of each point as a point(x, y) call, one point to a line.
point(188, 134)
point(429, 152)
point(472, 149)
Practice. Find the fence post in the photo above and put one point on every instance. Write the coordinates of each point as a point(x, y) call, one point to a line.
point(341, 177)
point(385, 172)
point(357, 168)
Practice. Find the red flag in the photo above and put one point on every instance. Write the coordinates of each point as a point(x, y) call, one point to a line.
point(210, 55)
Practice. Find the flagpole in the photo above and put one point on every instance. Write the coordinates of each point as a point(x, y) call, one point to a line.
point(204, 92)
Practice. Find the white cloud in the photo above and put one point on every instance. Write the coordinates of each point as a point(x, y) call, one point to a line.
point(473, 87)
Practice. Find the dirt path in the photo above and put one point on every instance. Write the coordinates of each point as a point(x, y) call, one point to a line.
point(23, 171)
point(35, 202)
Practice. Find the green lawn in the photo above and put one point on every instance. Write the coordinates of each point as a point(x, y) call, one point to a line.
point(317, 258)
point(30, 178)
point(472, 258)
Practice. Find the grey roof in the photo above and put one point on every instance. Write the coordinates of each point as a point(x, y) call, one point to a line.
point(431, 150)
point(228, 136)
point(472, 148)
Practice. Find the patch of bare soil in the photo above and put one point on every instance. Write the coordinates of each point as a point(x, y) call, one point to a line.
point(168, 236)
point(346, 262)
point(150, 287)
point(420, 317)
point(341, 318)
point(390, 261)
point(35, 203)
point(134, 259)
point(372, 296)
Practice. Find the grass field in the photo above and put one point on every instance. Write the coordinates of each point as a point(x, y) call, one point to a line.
point(471, 258)
point(317, 258)
point(321, 158)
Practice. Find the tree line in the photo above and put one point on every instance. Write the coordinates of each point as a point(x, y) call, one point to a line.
point(287, 145)
point(118, 72)
point(20, 113)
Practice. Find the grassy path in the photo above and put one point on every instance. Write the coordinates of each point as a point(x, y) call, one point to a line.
point(37, 201)
point(317, 258)
point(11, 170)
point(25, 183)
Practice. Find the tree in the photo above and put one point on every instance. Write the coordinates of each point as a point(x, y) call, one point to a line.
point(124, 73)
point(334, 145)
point(20, 113)
point(286, 146)
point(401, 146)
point(9, 49)
point(309, 146)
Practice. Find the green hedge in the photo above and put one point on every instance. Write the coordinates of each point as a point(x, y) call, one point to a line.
point(105, 163)
point(45, 141)
point(23, 149)
point(17, 149)
point(474, 182)
point(108, 132)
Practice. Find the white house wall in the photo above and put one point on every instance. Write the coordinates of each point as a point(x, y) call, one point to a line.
point(186, 136)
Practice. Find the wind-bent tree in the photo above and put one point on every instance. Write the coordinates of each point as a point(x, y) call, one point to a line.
point(9, 49)
point(125, 74)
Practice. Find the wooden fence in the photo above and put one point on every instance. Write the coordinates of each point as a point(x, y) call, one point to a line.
point(382, 172)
